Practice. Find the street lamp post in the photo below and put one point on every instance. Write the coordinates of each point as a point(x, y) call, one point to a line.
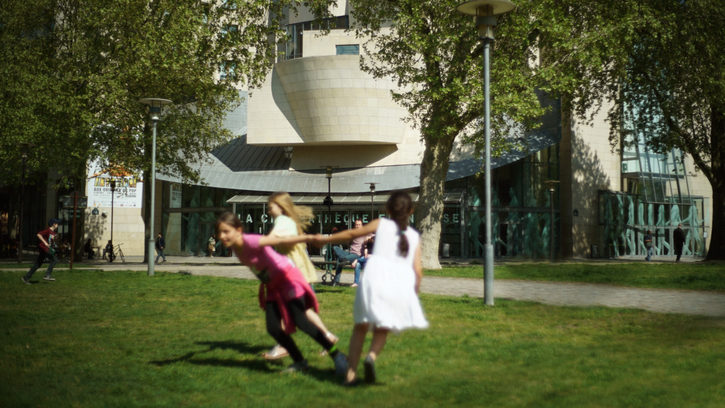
point(24, 147)
point(372, 200)
point(552, 184)
point(113, 195)
point(328, 200)
point(155, 105)
point(485, 12)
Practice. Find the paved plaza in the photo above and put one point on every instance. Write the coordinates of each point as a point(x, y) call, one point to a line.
point(550, 293)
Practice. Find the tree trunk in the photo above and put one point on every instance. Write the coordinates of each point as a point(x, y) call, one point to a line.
point(717, 181)
point(716, 252)
point(433, 172)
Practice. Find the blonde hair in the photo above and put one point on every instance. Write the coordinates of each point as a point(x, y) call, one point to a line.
point(300, 214)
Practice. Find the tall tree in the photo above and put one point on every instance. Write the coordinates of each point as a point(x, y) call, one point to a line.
point(433, 53)
point(73, 72)
point(670, 85)
point(664, 57)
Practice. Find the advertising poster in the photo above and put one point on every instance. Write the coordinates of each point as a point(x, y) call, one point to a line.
point(129, 189)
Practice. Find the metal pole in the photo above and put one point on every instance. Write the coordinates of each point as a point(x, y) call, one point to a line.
point(488, 247)
point(73, 236)
point(20, 220)
point(551, 243)
point(113, 193)
point(153, 201)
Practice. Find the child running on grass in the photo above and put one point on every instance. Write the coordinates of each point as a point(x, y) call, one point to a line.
point(291, 220)
point(284, 294)
point(387, 297)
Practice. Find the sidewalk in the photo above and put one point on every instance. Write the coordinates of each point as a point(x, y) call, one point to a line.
point(551, 293)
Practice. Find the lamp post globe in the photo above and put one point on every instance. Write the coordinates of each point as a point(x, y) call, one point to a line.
point(155, 105)
point(485, 14)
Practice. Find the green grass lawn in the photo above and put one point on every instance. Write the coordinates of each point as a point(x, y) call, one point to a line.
point(63, 264)
point(694, 276)
point(119, 339)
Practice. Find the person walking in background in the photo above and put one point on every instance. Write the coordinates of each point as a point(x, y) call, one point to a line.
point(291, 220)
point(679, 238)
point(160, 245)
point(649, 245)
point(284, 294)
point(87, 248)
point(211, 246)
point(45, 251)
point(387, 298)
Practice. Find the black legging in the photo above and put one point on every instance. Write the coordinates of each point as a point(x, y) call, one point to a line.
point(296, 310)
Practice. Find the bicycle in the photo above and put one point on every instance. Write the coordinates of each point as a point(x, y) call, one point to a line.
point(117, 252)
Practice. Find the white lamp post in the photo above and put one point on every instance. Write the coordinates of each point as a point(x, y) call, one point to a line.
point(485, 12)
point(155, 105)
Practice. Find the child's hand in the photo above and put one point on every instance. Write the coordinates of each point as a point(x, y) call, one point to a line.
point(318, 240)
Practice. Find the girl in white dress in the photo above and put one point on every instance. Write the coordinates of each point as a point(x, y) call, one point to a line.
point(387, 297)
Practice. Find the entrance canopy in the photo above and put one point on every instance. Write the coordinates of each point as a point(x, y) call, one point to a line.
point(339, 199)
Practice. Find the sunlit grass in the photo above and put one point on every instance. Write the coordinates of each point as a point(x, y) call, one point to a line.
point(694, 276)
point(124, 339)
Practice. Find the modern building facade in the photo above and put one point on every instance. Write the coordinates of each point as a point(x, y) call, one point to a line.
point(320, 126)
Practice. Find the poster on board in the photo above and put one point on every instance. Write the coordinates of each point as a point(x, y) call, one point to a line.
point(129, 189)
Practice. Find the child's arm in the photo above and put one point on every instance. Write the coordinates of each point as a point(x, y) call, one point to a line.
point(418, 268)
point(347, 235)
point(273, 240)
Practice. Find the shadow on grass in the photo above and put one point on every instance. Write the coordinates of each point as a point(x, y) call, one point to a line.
point(321, 374)
point(241, 347)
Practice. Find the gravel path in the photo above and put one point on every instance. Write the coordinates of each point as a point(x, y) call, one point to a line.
point(550, 293)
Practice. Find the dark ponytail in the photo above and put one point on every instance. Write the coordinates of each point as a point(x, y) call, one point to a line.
point(399, 205)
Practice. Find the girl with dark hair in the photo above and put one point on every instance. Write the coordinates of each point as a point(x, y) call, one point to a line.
point(284, 293)
point(387, 297)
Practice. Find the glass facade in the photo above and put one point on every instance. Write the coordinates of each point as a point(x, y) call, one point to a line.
point(188, 217)
point(521, 209)
point(625, 218)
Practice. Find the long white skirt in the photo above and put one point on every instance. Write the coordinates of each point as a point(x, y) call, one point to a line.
point(386, 296)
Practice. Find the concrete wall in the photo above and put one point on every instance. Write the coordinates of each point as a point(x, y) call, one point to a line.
point(128, 229)
point(324, 100)
point(588, 165)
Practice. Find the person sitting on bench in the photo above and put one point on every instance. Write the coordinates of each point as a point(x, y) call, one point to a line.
point(347, 257)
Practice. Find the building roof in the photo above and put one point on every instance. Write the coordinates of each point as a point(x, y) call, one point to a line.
point(241, 166)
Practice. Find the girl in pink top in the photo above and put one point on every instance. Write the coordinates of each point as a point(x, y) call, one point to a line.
point(284, 293)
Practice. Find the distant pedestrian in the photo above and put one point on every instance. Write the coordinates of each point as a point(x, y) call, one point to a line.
point(387, 297)
point(87, 248)
point(649, 245)
point(211, 245)
point(160, 245)
point(679, 237)
point(45, 251)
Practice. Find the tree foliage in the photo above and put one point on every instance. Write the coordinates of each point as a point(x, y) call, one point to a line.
point(72, 72)
point(665, 57)
point(433, 53)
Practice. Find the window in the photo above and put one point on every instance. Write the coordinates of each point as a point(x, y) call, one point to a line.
point(227, 69)
point(348, 49)
point(294, 31)
point(229, 30)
